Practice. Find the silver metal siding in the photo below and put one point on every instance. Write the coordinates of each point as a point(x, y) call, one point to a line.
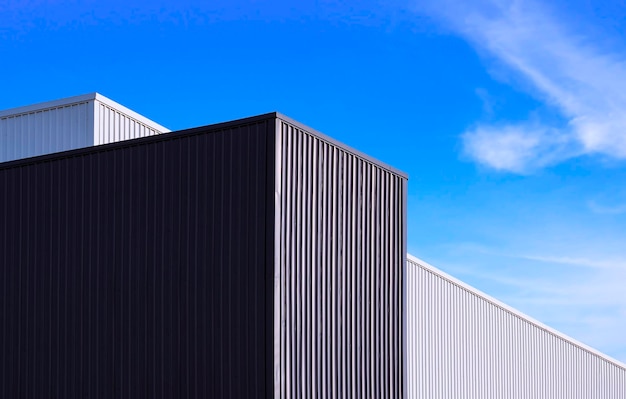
point(60, 126)
point(112, 125)
point(462, 345)
point(339, 272)
point(46, 131)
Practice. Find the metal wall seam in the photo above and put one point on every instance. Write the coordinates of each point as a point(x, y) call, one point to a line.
point(460, 345)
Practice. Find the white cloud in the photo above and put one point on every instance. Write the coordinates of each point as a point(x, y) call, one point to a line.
point(568, 71)
point(515, 148)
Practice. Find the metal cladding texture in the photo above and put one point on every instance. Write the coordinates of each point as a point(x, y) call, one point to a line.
point(46, 131)
point(111, 125)
point(139, 269)
point(340, 273)
point(463, 345)
point(78, 123)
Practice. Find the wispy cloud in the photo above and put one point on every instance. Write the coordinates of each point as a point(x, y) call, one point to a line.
point(585, 83)
point(601, 209)
point(616, 264)
point(581, 296)
point(609, 264)
point(516, 148)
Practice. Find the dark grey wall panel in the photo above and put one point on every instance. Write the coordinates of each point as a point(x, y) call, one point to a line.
point(139, 269)
point(340, 269)
point(225, 261)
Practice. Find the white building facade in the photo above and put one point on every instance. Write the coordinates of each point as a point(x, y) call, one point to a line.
point(67, 124)
point(461, 343)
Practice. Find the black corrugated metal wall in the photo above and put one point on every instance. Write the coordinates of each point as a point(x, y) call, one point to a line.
point(148, 269)
point(139, 269)
point(341, 258)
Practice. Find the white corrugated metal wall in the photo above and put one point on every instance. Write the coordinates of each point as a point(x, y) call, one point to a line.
point(45, 131)
point(112, 125)
point(67, 124)
point(463, 344)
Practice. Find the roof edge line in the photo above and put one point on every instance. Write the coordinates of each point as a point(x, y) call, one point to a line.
point(512, 310)
point(346, 147)
point(130, 113)
point(46, 105)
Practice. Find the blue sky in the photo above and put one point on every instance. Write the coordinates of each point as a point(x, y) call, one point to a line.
point(507, 116)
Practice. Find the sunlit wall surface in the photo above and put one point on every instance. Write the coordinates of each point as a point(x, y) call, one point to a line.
point(463, 344)
point(67, 124)
point(342, 245)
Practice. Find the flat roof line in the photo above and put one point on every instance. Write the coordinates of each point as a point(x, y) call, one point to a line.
point(83, 98)
point(130, 113)
point(203, 129)
point(340, 144)
point(26, 109)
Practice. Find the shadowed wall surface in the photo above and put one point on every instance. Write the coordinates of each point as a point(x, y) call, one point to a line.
point(138, 269)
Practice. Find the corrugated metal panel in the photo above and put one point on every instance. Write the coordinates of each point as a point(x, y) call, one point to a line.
point(339, 272)
point(70, 123)
point(140, 270)
point(460, 344)
point(44, 131)
point(112, 124)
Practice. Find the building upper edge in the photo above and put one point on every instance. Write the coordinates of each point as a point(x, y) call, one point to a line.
point(83, 98)
point(130, 113)
point(132, 142)
point(200, 129)
point(343, 146)
point(26, 109)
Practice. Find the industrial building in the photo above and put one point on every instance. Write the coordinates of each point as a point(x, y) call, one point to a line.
point(252, 258)
point(69, 123)
point(461, 343)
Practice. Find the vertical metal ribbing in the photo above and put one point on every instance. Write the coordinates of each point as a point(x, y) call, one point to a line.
point(360, 284)
point(279, 240)
point(325, 209)
point(306, 271)
point(332, 269)
point(463, 344)
point(288, 193)
point(112, 125)
point(378, 298)
point(342, 309)
point(371, 273)
point(103, 253)
point(352, 278)
point(313, 295)
point(341, 272)
point(46, 131)
point(298, 277)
